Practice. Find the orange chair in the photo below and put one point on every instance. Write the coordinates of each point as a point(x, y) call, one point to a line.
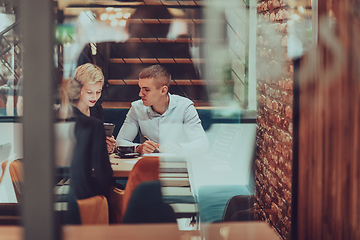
point(3, 167)
point(93, 210)
point(115, 205)
point(146, 205)
point(146, 169)
point(16, 170)
point(9, 212)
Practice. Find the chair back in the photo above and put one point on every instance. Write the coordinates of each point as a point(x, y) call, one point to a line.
point(8, 193)
point(240, 208)
point(146, 169)
point(3, 167)
point(116, 204)
point(146, 205)
point(93, 210)
point(9, 212)
point(16, 170)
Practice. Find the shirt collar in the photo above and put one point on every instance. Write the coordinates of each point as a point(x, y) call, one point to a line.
point(172, 105)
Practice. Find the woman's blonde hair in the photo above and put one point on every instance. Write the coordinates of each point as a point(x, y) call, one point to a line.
point(88, 74)
point(70, 89)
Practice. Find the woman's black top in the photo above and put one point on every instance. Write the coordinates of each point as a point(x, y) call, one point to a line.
point(90, 171)
point(97, 112)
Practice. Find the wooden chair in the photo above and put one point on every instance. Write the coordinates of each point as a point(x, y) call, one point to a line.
point(147, 206)
point(3, 167)
point(116, 204)
point(16, 170)
point(12, 176)
point(146, 169)
point(93, 210)
point(9, 212)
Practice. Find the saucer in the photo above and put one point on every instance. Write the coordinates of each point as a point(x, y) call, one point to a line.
point(128, 155)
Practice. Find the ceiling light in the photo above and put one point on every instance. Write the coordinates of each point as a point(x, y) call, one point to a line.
point(118, 15)
point(295, 17)
point(114, 23)
point(301, 9)
point(127, 15)
point(122, 23)
point(104, 16)
point(111, 17)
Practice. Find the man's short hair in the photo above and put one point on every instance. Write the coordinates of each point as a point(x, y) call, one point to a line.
point(159, 73)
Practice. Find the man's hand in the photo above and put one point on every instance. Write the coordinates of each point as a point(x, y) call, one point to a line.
point(147, 147)
point(110, 143)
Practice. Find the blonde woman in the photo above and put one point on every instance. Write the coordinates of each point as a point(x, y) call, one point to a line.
point(90, 170)
point(83, 91)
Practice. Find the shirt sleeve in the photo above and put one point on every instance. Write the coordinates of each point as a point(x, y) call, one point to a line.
point(128, 130)
point(199, 142)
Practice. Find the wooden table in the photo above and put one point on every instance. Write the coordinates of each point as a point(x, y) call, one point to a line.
point(174, 179)
point(216, 231)
point(123, 166)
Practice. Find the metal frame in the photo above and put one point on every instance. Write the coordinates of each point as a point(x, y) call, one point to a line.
point(38, 60)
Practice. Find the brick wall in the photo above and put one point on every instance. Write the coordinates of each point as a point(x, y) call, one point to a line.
point(275, 99)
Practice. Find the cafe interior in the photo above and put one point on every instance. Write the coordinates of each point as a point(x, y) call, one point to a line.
point(275, 84)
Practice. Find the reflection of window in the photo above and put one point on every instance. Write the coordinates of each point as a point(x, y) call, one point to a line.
point(187, 37)
point(122, 50)
point(10, 66)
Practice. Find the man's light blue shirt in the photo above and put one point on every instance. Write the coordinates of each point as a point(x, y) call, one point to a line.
point(177, 130)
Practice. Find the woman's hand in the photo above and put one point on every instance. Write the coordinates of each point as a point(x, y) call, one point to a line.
point(110, 143)
point(147, 147)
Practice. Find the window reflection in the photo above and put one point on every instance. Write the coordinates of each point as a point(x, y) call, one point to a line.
point(124, 39)
point(217, 41)
point(11, 105)
point(211, 70)
point(10, 65)
point(175, 39)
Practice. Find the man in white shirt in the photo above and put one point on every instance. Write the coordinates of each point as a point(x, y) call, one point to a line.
point(169, 122)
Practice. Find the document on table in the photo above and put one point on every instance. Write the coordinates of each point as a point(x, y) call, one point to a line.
point(160, 154)
point(131, 161)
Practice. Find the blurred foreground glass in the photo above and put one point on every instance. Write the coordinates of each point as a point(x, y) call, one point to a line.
point(10, 64)
point(216, 39)
point(11, 106)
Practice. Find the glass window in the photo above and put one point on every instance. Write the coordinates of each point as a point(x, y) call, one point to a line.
point(212, 50)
